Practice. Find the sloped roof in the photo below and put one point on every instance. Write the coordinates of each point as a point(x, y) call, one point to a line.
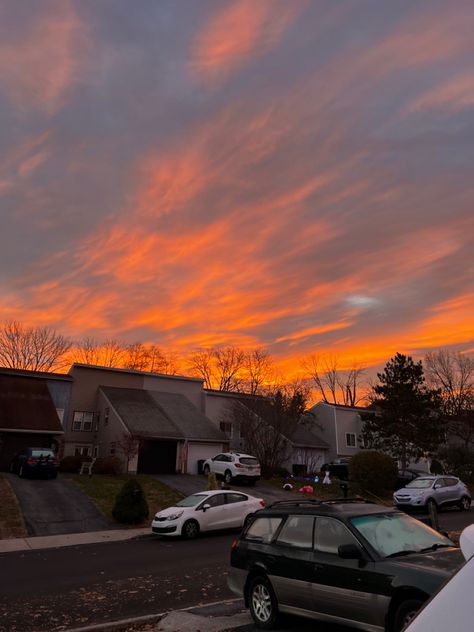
point(305, 438)
point(160, 415)
point(26, 404)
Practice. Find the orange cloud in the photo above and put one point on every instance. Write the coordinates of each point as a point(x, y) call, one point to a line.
point(451, 96)
point(242, 30)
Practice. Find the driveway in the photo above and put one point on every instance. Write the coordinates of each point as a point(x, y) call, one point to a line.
point(53, 507)
point(188, 484)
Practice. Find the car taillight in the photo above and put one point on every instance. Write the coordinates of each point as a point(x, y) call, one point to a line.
point(32, 461)
point(263, 503)
point(238, 465)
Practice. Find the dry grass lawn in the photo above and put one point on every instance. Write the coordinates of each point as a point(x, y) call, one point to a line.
point(11, 518)
point(103, 489)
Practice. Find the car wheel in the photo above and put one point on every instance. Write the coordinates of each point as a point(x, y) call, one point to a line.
point(206, 470)
point(465, 503)
point(227, 477)
point(190, 529)
point(263, 603)
point(405, 612)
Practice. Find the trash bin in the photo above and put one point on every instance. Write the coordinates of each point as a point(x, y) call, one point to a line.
point(200, 466)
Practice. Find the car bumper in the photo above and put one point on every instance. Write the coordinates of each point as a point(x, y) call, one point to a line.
point(165, 530)
point(236, 580)
point(246, 477)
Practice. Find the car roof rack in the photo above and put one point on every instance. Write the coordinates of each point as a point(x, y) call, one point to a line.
point(315, 502)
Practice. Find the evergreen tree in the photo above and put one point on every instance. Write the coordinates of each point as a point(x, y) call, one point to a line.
point(130, 506)
point(408, 422)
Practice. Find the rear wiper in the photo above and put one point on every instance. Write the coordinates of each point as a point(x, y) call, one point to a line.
point(400, 553)
point(435, 546)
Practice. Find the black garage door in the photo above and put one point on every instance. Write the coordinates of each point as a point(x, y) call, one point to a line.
point(157, 457)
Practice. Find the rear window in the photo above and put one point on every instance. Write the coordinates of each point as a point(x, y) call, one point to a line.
point(44, 453)
point(263, 529)
point(248, 461)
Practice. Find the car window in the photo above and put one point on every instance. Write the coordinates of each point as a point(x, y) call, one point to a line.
point(396, 532)
point(440, 482)
point(219, 457)
point(248, 460)
point(263, 529)
point(215, 500)
point(236, 498)
point(450, 482)
point(421, 483)
point(329, 534)
point(45, 453)
point(297, 531)
point(191, 501)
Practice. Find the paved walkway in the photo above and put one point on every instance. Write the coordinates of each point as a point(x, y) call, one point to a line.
point(70, 539)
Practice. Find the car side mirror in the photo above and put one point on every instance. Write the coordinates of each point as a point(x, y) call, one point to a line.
point(206, 507)
point(436, 486)
point(350, 552)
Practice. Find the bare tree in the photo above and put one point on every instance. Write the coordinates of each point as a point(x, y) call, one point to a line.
point(229, 364)
point(136, 357)
point(334, 385)
point(258, 368)
point(201, 364)
point(32, 348)
point(109, 353)
point(129, 445)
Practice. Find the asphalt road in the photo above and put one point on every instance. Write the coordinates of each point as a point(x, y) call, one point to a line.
point(56, 506)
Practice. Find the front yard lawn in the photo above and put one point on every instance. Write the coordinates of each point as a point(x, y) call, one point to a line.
point(103, 489)
point(11, 518)
point(326, 492)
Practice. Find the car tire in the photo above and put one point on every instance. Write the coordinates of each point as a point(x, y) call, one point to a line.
point(263, 603)
point(227, 477)
point(465, 503)
point(405, 612)
point(190, 530)
point(206, 470)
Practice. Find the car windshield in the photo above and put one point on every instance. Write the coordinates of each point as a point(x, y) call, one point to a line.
point(191, 501)
point(44, 453)
point(396, 533)
point(420, 483)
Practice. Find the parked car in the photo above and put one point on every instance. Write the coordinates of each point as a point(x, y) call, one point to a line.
point(338, 470)
point(452, 608)
point(206, 511)
point(349, 562)
point(440, 491)
point(233, 466)
point(406, 476)
point(41, 462)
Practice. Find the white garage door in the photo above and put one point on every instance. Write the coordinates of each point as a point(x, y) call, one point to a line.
point(197, 451)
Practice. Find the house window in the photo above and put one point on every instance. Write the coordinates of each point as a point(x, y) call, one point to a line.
point(82, 421)
point(226, 426)
point(106, 416)
point(350, 439)
point(83, 450)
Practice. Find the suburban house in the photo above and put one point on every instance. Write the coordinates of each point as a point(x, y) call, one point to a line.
point(340, 426)
point(33, 405)
point(306, 450)
point(112, 409)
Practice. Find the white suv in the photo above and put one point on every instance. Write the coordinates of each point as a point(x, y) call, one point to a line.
point(232, 465)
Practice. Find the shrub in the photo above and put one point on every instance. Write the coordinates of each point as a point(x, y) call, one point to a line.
point(130, 506)
point(71, 464)
point(436, 467)
point(211, 481)
point(107, 465)
point(373, 472)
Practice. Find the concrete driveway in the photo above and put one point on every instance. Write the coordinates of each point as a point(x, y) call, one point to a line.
point(188, 484)
point(53, 507)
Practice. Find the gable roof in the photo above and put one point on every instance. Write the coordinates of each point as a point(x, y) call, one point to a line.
point(26, 405)
point(160, 415)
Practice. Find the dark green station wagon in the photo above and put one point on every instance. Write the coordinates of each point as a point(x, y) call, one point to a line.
point(346, 561)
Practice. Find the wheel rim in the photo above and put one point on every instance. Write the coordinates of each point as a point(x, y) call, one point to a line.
point(466, 503)
point(191, 530)
point(261, 603)
point(408, 618)
point(227, 477)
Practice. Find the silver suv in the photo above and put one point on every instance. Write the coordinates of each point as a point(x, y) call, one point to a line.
point(440, 491)
point(234, 466)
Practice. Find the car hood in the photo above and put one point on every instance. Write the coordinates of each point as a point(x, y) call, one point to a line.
point(169, 511)
point(445, 561)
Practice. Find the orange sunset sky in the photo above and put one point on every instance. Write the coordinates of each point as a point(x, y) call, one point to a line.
point(297, 176)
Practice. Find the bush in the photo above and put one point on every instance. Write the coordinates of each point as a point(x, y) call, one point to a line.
point(373, 472)
point(107, 465)
point(130, 506)
point(71, 464)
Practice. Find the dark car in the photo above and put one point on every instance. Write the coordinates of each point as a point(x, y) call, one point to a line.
point(345, 561)
point(40, 462)
point(407, 476)
point(336, 470)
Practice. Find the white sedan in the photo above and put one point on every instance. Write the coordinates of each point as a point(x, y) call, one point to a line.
point(206, 511)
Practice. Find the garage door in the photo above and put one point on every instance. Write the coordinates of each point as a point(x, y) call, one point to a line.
point(201, 451)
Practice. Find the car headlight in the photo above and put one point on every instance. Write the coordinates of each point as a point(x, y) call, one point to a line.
point(175, 516)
